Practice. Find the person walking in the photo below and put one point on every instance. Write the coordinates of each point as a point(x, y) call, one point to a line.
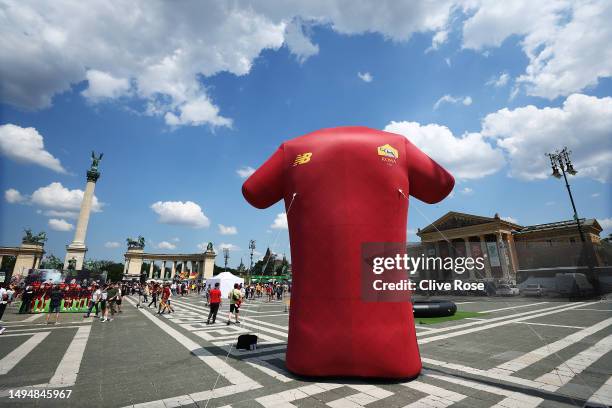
point(54, 305)
point(94, 301)
point(26, 300)
point(235, 298)
point(3, 303)
point(145, 293)
point(165, 298)
point(104, 303)
point(208, 295)
point(215, 302)
point(153, 297)
point(120, 291)
point(279, 292)
point(112, 293)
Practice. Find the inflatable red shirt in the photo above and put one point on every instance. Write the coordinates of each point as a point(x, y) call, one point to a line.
point(343, 188)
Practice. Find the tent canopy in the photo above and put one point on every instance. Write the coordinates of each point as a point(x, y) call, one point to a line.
point(226, 282)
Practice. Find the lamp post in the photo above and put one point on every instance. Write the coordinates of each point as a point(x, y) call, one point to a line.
point(252, 248)
point(226, 257)
point(561, 160)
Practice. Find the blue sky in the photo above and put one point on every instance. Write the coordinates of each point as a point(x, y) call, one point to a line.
point(479, 103)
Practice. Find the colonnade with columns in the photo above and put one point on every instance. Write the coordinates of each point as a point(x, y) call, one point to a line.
point(458, 235)
point(496, 248)
point(170, 266)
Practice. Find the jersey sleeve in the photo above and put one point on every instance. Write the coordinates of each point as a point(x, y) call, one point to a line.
point(429, 182)
point(265, 186)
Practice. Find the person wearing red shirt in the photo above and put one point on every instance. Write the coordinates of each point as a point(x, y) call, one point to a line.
point(215, 302)
point(343, 188)
point(164, 304)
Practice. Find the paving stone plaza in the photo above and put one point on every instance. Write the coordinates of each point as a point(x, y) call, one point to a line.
point(519, 353)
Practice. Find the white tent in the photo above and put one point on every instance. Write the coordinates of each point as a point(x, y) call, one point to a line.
point(226, 282)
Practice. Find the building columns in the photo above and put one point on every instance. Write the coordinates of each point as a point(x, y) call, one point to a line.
point(468, 253)
point(503, 256)
point(173, 271)
point(151, 268)
point(513, 256)
point(485, 254)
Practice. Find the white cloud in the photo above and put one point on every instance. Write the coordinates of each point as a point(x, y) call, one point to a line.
point(466, 157)
point(57, 197)
point(175, 239)
point(595, 195)
point(280, 222)
point(466, 191)
point(185, 213)
point(566, 42)
point(606, 223)
point(231, 247)
point(196, 112)
point(298, 42)
point(60, 225)
point(165, 245)
point(157, 53)
point(227, 230)
point(365, 77)
point(112, 244)
point(438, 39)
point(26, 145)
point(500, 81)
point(583, 124)
point(102, 85)
point(467, 100)
point(245, 172)
point(510, 219)
point(13, 196)
point(549, 203)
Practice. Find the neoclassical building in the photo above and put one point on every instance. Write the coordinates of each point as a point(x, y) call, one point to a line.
point(505, 246)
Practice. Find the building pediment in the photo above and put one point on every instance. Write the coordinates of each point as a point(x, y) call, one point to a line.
point(453, 220)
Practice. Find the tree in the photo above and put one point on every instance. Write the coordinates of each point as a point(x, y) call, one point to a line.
point(115, 272)
point(283, 266)
point(114, 269)
point(8, 263)
point(51, 262)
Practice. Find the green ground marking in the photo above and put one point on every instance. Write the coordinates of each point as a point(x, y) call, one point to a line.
point(460, 314)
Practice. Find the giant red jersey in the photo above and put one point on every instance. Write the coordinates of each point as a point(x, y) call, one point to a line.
point(343, 188)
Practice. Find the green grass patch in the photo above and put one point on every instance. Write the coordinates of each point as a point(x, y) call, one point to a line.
point(460, 314)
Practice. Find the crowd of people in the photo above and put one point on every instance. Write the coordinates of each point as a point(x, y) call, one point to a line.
point(104, 300)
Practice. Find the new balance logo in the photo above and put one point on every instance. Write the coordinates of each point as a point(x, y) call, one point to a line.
point(302, 158)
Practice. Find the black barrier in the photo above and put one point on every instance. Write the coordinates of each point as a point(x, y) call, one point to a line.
point(434, 308)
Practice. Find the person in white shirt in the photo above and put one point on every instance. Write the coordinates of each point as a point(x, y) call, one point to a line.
point(3, 303)
point(94, 301)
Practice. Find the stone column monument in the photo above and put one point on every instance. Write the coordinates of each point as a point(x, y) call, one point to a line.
point(209, 262)
point(75, 252)
point(134, 257)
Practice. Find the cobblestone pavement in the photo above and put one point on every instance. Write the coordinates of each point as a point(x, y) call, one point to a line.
point(520, 353)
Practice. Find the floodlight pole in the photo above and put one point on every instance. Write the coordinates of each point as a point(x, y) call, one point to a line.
point(561, 160)
point(252, 248)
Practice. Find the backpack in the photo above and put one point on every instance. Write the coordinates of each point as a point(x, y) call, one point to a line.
point(247, 342)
